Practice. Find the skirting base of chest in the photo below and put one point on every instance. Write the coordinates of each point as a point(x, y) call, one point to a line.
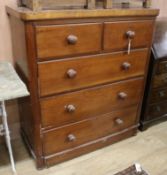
point(80, 150)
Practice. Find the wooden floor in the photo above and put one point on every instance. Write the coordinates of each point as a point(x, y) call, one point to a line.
point(148, 148)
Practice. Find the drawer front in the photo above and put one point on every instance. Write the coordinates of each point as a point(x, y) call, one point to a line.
point(158, 95)
point(162, 67)
point(80, 105)
point(118, 34)
point(62, 40)
point(80, 133)
point(157, 110)
point(160, 80)
point(60, 76)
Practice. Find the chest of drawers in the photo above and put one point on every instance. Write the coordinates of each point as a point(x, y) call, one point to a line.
point(155, 101)
point(86, 89)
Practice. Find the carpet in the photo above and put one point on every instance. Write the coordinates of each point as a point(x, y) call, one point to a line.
point(132, 171)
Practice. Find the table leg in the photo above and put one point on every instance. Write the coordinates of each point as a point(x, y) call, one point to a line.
point(7, 135)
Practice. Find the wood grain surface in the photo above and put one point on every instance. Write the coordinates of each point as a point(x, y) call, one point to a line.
point(90, 102)
point(52, 41)
point(90, 71)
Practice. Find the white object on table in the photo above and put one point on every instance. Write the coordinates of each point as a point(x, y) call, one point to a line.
point(11, 87)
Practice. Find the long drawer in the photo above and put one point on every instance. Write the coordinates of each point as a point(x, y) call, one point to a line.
point(71, 74)
point(70, 39)
point(118, 34)
point(72, 107)
point(80, 133)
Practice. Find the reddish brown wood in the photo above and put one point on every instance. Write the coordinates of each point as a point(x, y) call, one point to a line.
point(158, 95)
point(86, 94)
point(53, 41)
point(160, 80)
point(157, 110)
point(115, 34)
point(81, 72)
point(91, 146)
point(162, 68)
point(23, 47)
point(90, 102)
point(80, 133)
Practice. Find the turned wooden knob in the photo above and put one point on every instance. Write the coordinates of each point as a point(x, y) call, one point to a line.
point(126, 66)
point(161, 93)
point(122, 95)
point(70, 108)
point(71, 137)
point(71, 73)
point(130, 34)
point(158, 108)
point(119, 121)
point(72, 39)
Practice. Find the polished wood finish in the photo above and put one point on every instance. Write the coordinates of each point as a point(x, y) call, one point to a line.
point(89, 103)
point(76, 73)
point(157, 110)
point(158, 95)
point(28, 15)
point(83, 96)
point(117, 35)
point(91, 146)
point(162, 67)
point(160, 80)
point(51, 40)
point(57, 140)
point(154, 106)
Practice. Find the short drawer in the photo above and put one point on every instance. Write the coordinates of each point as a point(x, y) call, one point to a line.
point(162, 67)
point(157, 110)
point(118, 34)
point(71, 74)
point(73, 107)
point(160, 80)
point(71, 39)
point(71, 136)
point(158, 95)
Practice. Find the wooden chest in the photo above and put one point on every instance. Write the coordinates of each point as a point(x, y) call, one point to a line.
point(155, 103)
point(86, 87)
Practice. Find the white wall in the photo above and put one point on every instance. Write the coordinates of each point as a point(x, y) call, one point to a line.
point(162, 5)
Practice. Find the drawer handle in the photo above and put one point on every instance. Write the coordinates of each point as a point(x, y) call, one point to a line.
point(158, 108)
point(72, 39)
point(130, 34)
point(71, 138)
point(71, 73)
point(119, 121)
point(70, 108)
point(126, 66)
point(122, 95)
point(161, 94)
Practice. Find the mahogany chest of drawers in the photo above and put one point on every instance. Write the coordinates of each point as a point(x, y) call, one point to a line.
point(86, 72)
point(155, 101)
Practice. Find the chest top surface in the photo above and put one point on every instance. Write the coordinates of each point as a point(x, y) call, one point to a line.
point(29, 15)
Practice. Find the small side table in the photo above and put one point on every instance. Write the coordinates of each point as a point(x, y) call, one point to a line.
point(11, 87)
